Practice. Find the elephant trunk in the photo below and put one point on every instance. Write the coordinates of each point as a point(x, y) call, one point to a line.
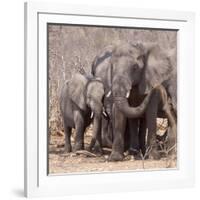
point(96, 135)
point(132, 112)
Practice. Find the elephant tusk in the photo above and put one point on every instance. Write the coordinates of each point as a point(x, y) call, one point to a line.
point(92, 114)
point(127, 94)
point(105, 114)
point(109, 93)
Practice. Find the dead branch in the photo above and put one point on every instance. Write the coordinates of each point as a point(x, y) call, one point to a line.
point(87, 153)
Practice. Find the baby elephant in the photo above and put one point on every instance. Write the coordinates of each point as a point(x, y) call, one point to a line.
point(80, 102)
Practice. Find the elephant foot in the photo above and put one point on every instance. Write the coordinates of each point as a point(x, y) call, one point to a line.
point(116, 156)
point(77, 147)
point(97, 150)
point(95, 147)
point(67, 149)
point(136, 153)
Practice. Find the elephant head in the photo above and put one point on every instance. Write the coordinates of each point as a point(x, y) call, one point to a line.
point(94, 96)
point(146, 66)
point(87, 92)
point(127, 65)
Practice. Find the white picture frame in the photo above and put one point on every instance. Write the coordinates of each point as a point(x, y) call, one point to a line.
point(37, 182)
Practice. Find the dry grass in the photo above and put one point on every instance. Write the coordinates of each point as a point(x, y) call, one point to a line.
point(60, 162)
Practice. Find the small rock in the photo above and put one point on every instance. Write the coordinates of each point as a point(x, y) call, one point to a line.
point(132, 158)
point(126, 153)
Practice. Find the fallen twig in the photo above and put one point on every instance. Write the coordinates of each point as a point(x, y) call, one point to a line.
point(166, 150)
point(107, 149)
point(87, 153)
point(148, 150)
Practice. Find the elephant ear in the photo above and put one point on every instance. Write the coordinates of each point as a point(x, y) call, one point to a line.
point(94, 95)
point(76, 88)
point(158, 68)
point(101, 57)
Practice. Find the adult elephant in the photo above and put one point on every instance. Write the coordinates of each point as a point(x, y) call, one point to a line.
point(159, 70)
point(143, 136)
point(80, 97)
point(119, 67)
point(122, 67)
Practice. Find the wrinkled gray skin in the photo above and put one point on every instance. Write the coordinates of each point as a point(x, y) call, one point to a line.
point(123, 67)
point(101, 68)
point(160, 68)
point(107, 129)
point(158, 106)
point(81, 96)
point(119, 70)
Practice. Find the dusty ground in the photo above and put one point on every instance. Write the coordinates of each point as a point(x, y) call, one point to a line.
point(60, 162)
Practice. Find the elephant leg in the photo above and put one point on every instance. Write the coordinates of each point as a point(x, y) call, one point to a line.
point(151, 115)
point(97, 147)
point(126, 137)
point(110, 134)
point(67, 131)
point(172, 131)
point(118, 131)
point(106, 133)
point(134, 137)
point(142, 135)
point(80, 128)
point(96, 143)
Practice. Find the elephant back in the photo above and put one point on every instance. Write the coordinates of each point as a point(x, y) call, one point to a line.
point(101, 57)
point(101, 67)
